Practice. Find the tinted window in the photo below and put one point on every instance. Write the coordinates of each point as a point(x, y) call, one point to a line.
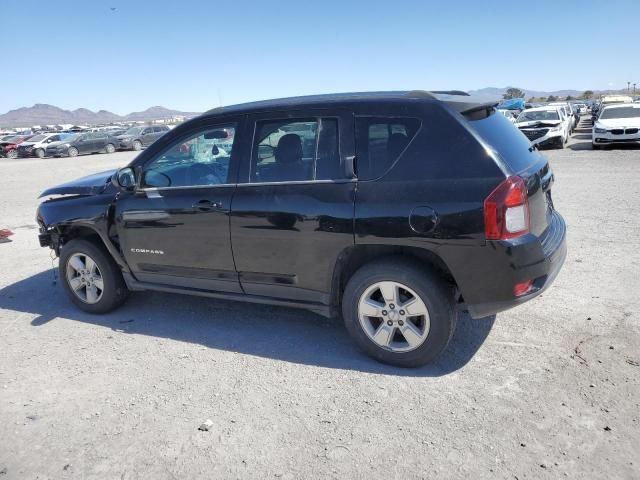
point(296, 150)
point(380, 141)
point(512, 146)
point(201, 159)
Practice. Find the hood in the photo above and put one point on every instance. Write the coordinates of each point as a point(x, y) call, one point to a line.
point(620, 122)
point(91, 185)
point(539, 124)
point(27, 144)
point(123, 136)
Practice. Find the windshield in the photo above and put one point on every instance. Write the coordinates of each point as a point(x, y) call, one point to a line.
point(133, 131)
point(621, 112)
point(37, 138)
point(538, 116)
point(67, 137)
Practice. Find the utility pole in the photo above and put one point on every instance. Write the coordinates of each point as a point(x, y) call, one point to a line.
point(628, 87)
point(634, 88)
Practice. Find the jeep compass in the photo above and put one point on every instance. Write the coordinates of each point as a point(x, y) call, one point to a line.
point(394, 210)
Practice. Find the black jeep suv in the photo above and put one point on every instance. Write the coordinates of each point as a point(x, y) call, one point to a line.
point(394, 209)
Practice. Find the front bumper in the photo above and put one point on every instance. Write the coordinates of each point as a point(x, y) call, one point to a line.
point(549, 138)
point(610, 138)
point(535, 258)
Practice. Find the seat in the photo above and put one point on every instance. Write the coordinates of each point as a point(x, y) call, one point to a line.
point(288, 156)
point(396, 144)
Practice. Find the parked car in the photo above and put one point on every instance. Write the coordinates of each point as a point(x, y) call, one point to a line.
point(82, 143)
point(572, 117)
point(36, 145)
point(544, 126)
point(9, 147)
point(137, 137)
point(617, 124)
point(509, 114)
point(403, 208)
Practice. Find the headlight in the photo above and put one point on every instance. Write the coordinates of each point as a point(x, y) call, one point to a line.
point(556, 128)
point(600, 130)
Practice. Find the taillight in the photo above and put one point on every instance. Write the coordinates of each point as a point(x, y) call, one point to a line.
point(506, 210)
point(522, 288)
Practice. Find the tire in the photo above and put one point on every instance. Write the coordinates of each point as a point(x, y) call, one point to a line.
point(107, 274)
point(72, 152)
point(561, 144)
point(137, 145)
point(595, 147)
point(13, 154)
point(438, 325)
point(39, 153)
point(110, 148)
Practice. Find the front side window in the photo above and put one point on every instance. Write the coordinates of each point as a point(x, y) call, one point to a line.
point(379, 143)
point(199, 160)
point(296, 150)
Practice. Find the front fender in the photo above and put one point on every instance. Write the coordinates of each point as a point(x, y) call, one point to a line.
point(59, 215)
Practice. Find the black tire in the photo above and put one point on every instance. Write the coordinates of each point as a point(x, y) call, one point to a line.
point(13, 154)
point(437, 296)
point(561, 143)
point(72, 152)
point(595, 147)
point(137, 145)
point(39, 153)
point(115, 291)
point(110, 148)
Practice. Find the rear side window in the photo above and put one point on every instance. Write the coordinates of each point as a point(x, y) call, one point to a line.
point(296, 150)
point(380, 141)
point(512, 146)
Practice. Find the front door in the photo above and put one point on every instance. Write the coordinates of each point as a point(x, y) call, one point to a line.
point(174, 229)
point(292, 213)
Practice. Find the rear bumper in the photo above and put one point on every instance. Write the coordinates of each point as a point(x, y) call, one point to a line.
point(538, 259)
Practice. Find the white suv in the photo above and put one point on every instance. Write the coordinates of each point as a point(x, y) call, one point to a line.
point(36, 145)
point(544, 126)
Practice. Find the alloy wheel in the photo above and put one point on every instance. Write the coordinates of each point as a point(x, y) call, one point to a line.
point(84, 278)
point(393, 316)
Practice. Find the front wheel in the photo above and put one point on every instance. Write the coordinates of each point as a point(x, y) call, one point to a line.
point(399, 314)
point(137, 145)
point(91, 278)
point(12, 153)
point(73, 152)
point(110, 148)
point(39, 153)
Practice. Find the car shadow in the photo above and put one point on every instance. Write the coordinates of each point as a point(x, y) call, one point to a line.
point(279, 333)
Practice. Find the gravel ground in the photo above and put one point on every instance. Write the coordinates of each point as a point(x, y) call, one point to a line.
point(547, 390)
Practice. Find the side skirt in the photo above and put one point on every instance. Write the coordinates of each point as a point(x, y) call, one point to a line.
point(135, 285)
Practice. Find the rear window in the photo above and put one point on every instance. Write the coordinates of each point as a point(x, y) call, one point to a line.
point(380, 141)
point(512, 146)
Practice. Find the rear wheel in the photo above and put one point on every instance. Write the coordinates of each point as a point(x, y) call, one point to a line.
point(110, 148)
point(73, 152)
point(91, 278)
point(399, 314)
point(137, 145)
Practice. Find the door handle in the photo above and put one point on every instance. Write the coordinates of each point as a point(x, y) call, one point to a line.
point(207, 205)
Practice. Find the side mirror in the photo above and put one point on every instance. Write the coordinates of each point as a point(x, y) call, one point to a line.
point(124, 178)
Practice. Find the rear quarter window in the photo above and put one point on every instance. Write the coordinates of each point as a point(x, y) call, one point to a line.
point(500, 134)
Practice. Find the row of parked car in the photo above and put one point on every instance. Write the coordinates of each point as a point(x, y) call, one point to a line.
point(548, 125)
point(71, 144)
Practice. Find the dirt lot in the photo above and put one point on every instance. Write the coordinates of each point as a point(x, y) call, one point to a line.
point(548, 390)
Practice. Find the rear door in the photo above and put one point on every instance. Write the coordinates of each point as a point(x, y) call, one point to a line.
point(292, 213)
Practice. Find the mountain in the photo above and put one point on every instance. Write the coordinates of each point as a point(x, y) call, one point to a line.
point(43, 114)
point(498, 92)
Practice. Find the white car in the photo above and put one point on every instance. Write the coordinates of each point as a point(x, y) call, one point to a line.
point(36, 145)
point(572, 116)
point(544, 126)
point(617, 124)
point(511, 116)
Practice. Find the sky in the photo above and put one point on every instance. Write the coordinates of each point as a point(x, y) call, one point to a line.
point(128, 55)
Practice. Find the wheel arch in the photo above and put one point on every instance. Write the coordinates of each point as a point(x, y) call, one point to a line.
point(352, 258)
